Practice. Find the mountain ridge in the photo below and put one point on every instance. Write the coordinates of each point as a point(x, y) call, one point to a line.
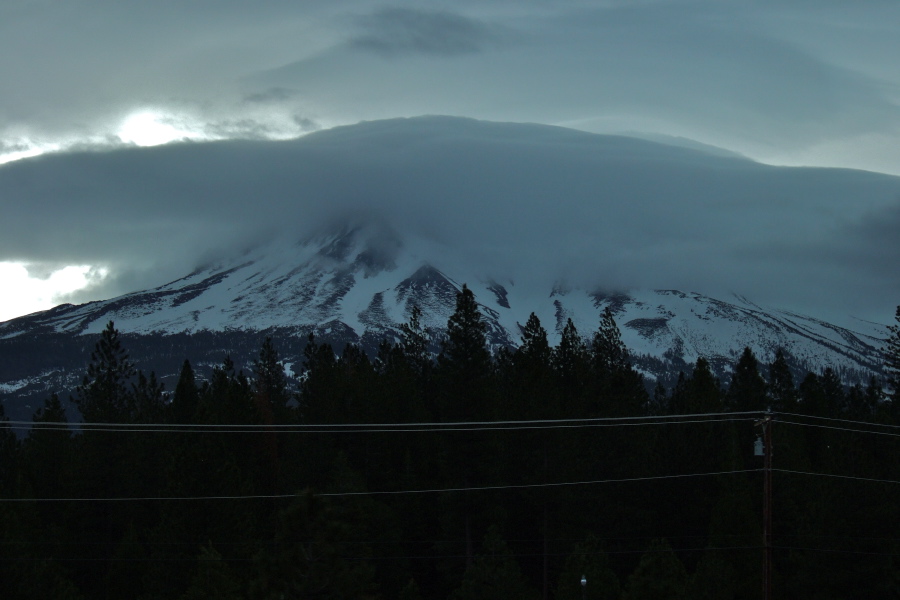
point(340, 289)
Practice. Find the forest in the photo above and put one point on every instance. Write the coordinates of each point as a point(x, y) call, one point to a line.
point(536, 472)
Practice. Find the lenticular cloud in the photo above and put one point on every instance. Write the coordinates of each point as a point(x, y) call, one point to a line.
point(528, 203)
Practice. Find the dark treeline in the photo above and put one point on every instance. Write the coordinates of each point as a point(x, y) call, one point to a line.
point(402, 476)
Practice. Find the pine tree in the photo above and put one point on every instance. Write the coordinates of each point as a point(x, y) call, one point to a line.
point(833, 390)
point(465, 358)
point(270, 383)
point(703, 392)
point(659, 401)
point(47, 452)
point(610, 353)
point(28, 545)
point(320, 379)
point(570, 361)
point(714, 578)
point(588, 560)
point(105, 462)
point(226, 399)
point(410, 591)
point(660, 574)
point(417, 357)
point(415, 339)
point(859, 405)
point(733, 527)
point(270, 397)
point(465, 361)
point(125, 569)
point(530, 375)
point(214, 579)
point(618, 390)
point(104, 396)
point(144, 460)
point(464, 371)
point(811, 396)
point(150, 399)
point(531, 394)
point(747, 391)
point(534, 349)
point(186, 400)
point(782, 392)
point(679, 401)
point(316, 554)
point(692, 447)
point(494, 574)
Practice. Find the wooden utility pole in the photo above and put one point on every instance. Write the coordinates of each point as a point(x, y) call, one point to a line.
point(766, 424)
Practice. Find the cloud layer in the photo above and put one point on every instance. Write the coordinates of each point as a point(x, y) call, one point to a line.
point(787, 82)
point(529, 203)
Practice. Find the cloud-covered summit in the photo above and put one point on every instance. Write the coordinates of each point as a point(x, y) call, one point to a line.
point(528, 203)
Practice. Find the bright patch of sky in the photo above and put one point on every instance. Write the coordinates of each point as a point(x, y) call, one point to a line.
point(26, 152)
point(24, 292)
point(153, 128)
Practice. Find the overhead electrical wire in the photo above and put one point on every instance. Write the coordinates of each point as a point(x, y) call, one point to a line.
point(836, 428)
point(453, 426)
point(384, 493)
point(424, 427)
point(376, 429)
point(835, 476)
point(634, 421)
point(866, 423)
point(388, 427)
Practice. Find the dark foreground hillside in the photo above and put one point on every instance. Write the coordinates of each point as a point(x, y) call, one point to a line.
point(465, 476)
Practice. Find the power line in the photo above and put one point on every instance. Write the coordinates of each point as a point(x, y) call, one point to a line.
point(388, 427)
point(384, 492)
point(867, 423)
point(325, 430)
point(837, 476)
point(835, 428)
point(451, 426)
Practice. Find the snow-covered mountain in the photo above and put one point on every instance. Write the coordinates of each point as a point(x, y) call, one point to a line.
point(358, 284)
point(367, 221)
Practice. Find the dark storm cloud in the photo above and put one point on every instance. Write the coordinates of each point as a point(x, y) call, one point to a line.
point(531, 204)
point(401, 31)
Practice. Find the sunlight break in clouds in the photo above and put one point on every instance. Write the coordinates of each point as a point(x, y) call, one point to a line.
point(24, 293)
point(153, 128)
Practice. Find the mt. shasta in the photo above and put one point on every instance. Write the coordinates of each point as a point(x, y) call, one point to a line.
point(395, 214)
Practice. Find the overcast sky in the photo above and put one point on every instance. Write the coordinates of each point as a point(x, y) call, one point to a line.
point(788, 82)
